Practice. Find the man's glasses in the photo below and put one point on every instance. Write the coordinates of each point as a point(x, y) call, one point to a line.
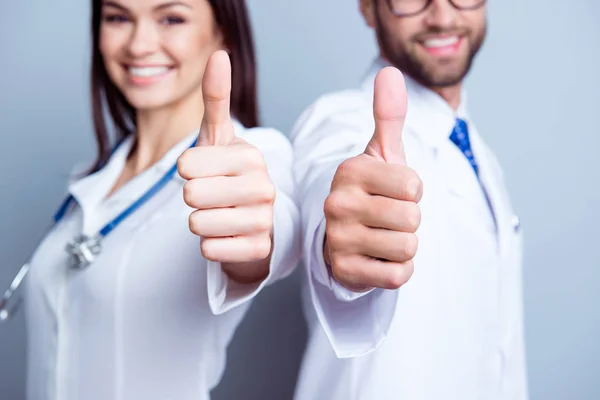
point(409, 8)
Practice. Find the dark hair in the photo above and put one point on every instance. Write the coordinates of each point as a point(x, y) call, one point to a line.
point(234, 23)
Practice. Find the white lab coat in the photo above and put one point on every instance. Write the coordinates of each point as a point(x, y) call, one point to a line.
point(455, 330)
point(151, 318)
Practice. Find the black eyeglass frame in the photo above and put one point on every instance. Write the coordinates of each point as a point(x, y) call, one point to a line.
point(428, 3)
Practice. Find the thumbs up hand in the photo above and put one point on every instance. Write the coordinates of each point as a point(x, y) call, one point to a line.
point(371, 212)
point(228, 185)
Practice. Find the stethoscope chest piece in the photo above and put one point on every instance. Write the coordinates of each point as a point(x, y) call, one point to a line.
point(83, 250)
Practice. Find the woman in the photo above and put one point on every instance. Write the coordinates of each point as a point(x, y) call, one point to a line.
point(134, 309)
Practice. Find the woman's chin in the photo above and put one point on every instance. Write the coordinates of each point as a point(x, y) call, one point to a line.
point(148, 101)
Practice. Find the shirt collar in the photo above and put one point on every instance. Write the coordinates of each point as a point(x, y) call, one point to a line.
point(428, 114)
point(93, 189)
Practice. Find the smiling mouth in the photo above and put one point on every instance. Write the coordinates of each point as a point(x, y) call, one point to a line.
point(147, 72)
point(436, 43)
point(142, 75)
point(443, 46)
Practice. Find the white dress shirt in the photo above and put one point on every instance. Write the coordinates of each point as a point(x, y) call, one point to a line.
point(455, 330)
point(150, 319)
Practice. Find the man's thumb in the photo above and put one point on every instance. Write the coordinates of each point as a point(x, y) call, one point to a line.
point(389, 111)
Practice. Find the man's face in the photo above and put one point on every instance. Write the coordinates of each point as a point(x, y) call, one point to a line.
point(436, 47)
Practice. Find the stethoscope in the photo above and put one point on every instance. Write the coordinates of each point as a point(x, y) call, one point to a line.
point(8, 306)
point(83, 249)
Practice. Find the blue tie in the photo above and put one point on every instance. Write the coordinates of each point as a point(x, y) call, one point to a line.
point(460, 137)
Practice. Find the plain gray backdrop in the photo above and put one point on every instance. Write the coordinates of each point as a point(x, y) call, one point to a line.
point(534, 92)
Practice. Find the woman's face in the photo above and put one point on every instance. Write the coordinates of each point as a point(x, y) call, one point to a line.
point(155, 51)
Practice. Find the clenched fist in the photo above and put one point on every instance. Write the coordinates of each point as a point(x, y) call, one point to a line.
point(372, 211)
point(228, 185)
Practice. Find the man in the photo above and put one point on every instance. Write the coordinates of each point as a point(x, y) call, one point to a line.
point(454, 330)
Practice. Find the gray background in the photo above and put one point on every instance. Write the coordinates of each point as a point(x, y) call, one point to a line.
point(535, 93)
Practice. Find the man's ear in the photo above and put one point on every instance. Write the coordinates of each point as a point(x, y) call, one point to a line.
point(367, 9)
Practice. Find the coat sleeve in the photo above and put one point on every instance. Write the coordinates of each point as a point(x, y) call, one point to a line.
point(331, 131)
point(224, 293)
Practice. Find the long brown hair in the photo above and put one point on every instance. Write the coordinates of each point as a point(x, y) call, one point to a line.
point(234, 23)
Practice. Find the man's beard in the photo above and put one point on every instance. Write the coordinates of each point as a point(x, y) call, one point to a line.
point(430, 74)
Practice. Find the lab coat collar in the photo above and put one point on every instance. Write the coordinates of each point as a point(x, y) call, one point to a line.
point(93, 189)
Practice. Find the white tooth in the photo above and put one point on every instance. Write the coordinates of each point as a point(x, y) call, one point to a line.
point(449, 41)
point(145, 72)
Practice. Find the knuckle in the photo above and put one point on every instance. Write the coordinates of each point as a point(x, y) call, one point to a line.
point(335, 237)
point(399, 276)
point(189, 193)
point(183, 163)
point(410, 246)
point(348, 169)
point(262, 224)
point(268, 192)
point(342, 271)
point(337, 205)
point(414, 186)
point(209, 250)
point(409, 269)
point(331, 205)
point(343, 170)
point(194, 223)
point(395, 281)
point(252, 157)
point(260, 188)
point(261, 248)
point(413, 217)
point(348, 274)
